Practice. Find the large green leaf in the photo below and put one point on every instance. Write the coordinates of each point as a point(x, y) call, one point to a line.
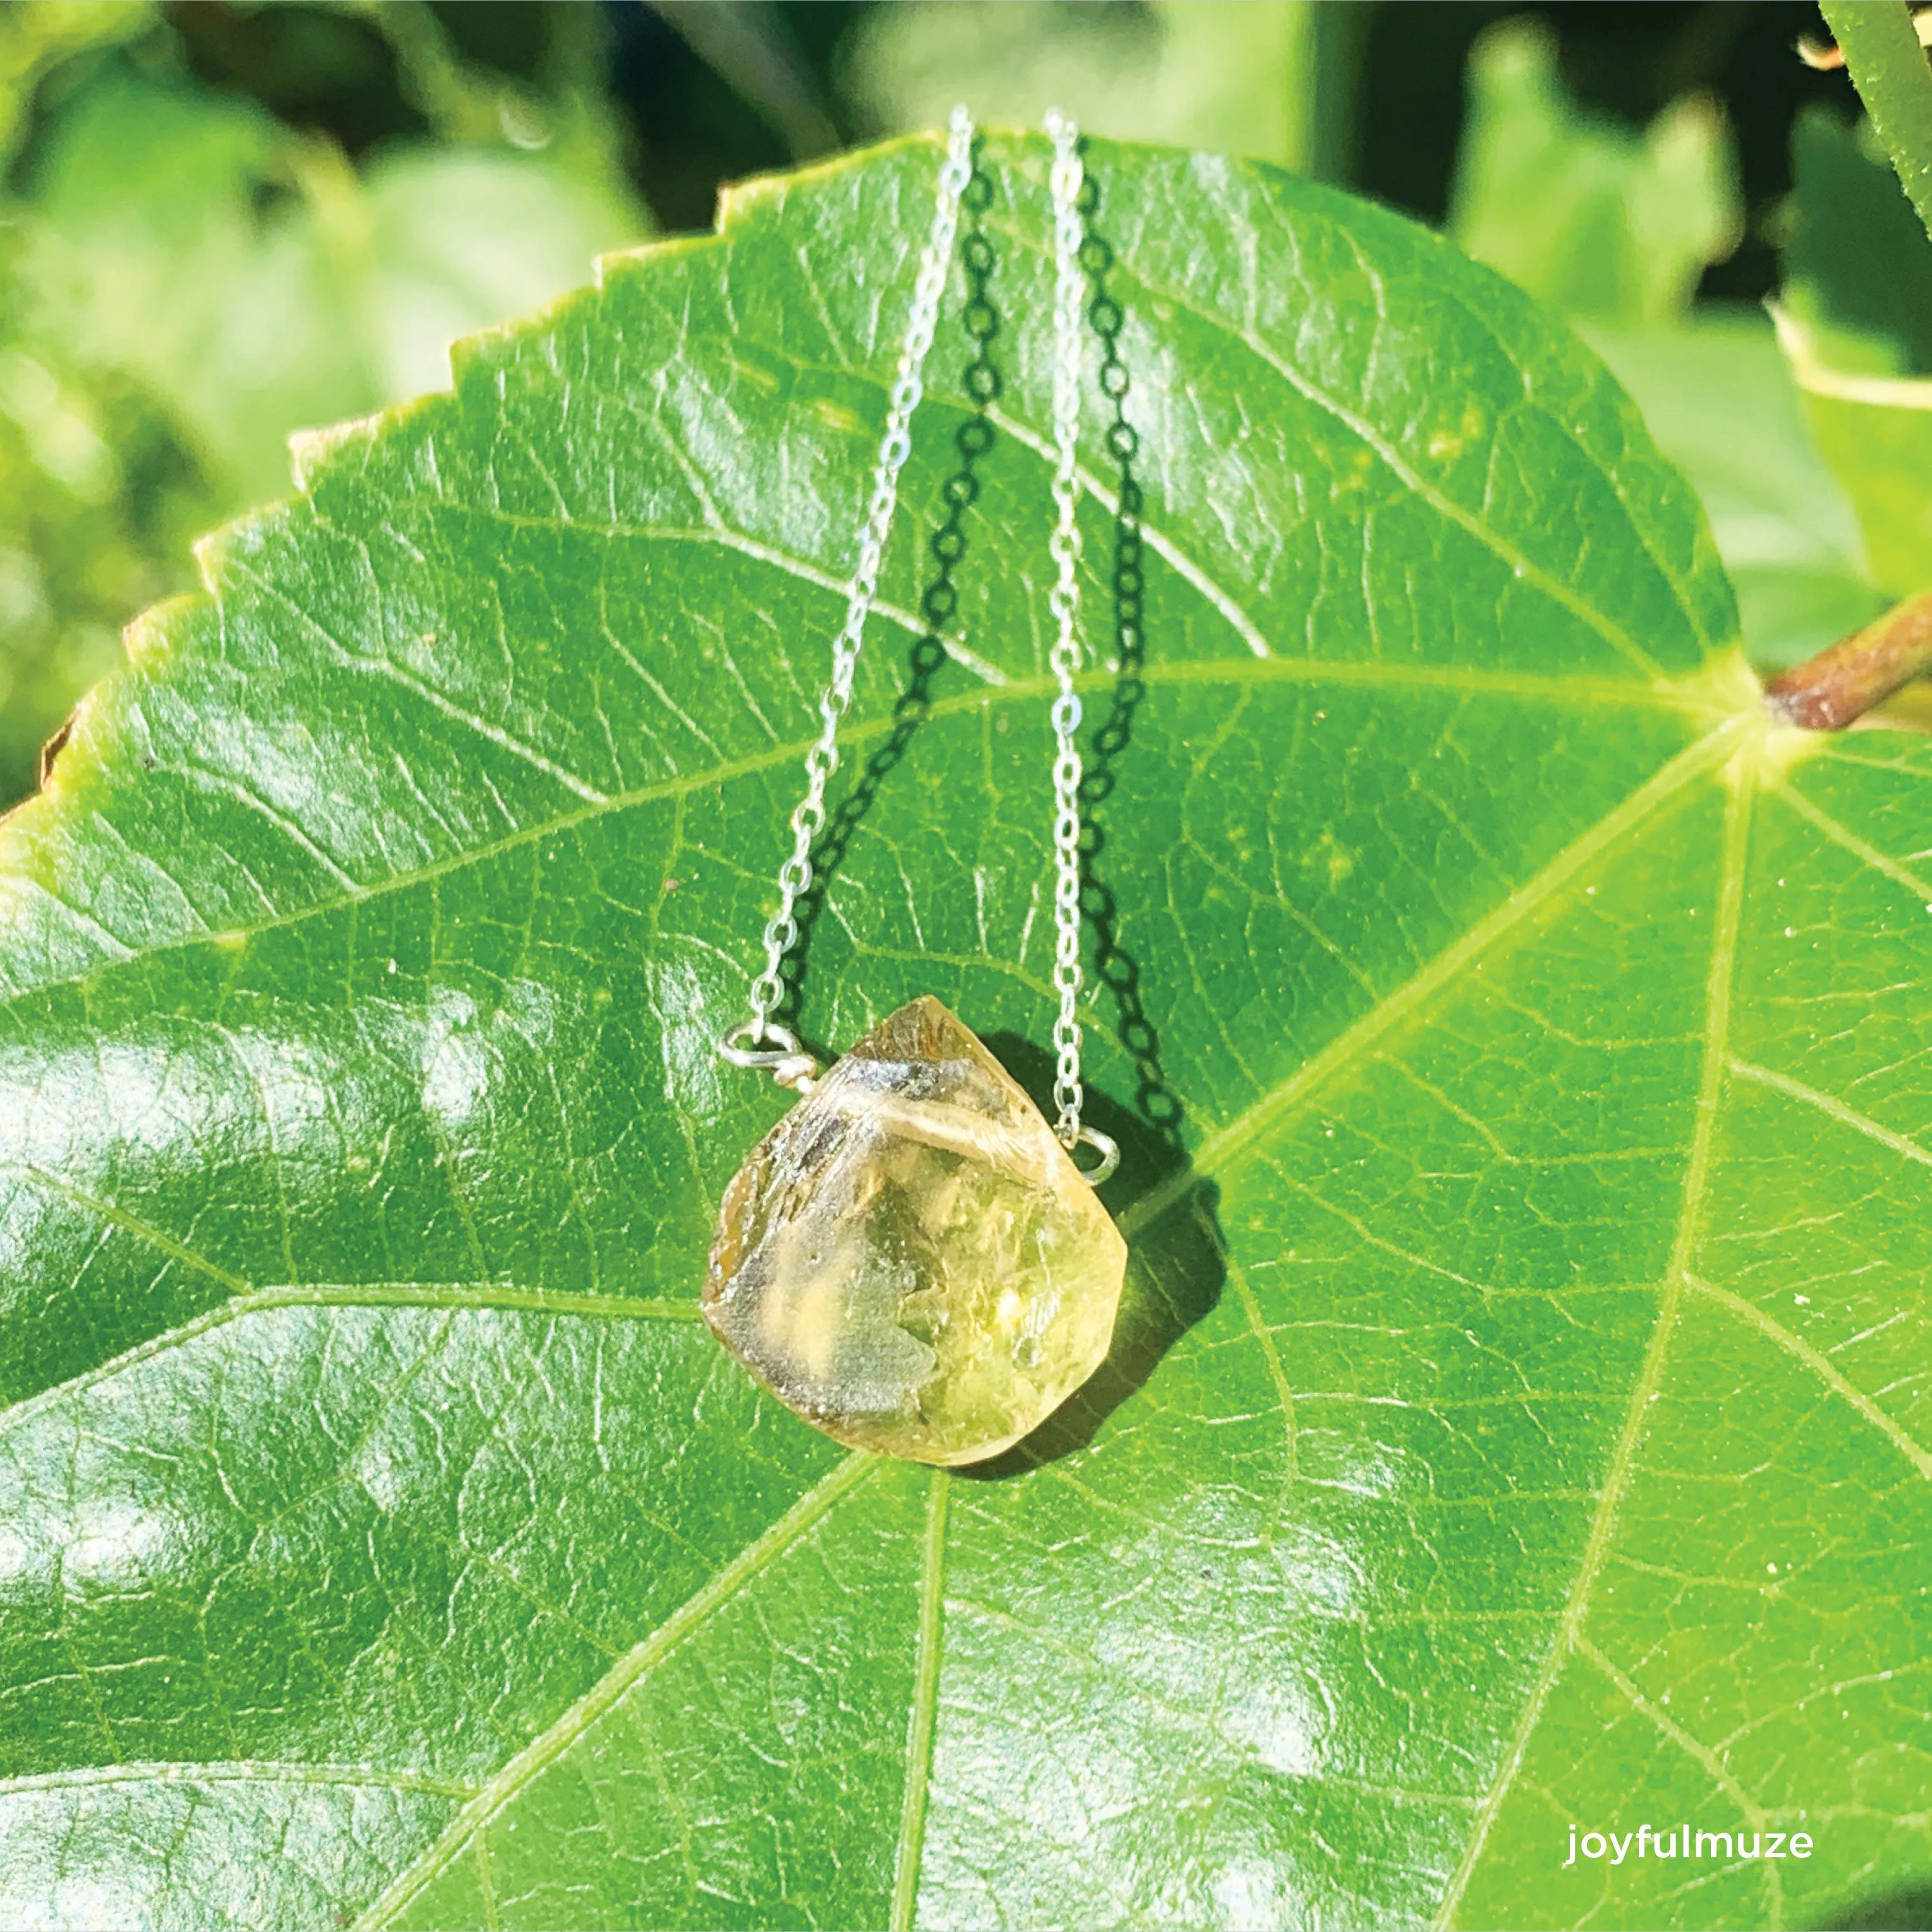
point(1520, 1415)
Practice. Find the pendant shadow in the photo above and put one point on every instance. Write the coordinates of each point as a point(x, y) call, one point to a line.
point(1175, 1271)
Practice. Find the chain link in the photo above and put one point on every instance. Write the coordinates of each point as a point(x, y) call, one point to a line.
point(808, 819)
point(1070, 288)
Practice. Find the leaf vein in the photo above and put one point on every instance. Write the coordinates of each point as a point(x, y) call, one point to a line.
point(236, 1771)
point(1558, 592)
point(1243, 1134)
point(544, 1749)
point(1623, 1460)
point(459, 1296)
point(1821, 1366)
point(922, 1730)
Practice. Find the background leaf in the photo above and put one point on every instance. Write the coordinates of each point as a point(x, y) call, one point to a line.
point(1612, 228)
point(1851, 316)
point(1588, 217)
point(1875, 432)
point(1519, 1416)
point(1721, 399)
point(37, 34)
point(1265, 78)
point(1887, 59)
point(1858, 265)
point(185, 279)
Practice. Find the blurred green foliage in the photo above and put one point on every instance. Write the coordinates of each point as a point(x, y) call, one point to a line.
point(1594, 219)
point(1244, 76)
point(222, 222)
point(35, 35)
point(1720, 401)
point(248, 276)
point(186, 278)
point(1858, 266)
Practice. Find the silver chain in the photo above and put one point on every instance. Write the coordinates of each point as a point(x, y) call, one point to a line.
point(808, 819)
point(1069, 290)
point(761, 1042)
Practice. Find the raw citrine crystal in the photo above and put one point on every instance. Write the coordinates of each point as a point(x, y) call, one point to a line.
point(909, 1259)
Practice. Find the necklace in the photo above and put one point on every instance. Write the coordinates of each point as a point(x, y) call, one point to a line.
point(910, 1260)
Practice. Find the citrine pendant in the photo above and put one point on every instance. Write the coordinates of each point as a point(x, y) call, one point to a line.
point(910, 1260)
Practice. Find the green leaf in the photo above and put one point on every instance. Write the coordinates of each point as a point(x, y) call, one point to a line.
point(1852, 319)
point(37, 35)
point(1887, 60)
point(1256, 77)
point(1876, 434)
point(1593, 220)
point(70, 567)
point(1857, 266)
point(187, 282)
point(1722, 401)
point(1520, 1417)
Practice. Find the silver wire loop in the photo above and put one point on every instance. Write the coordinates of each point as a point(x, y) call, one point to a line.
point(788, 1063)
point(1105, 1145)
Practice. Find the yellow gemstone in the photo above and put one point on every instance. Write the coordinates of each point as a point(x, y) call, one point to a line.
point(909, 1259)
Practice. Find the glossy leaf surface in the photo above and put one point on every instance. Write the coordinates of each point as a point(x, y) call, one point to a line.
point(1520, 1419)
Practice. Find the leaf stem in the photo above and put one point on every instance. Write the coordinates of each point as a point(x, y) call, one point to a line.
point(1881, 48)
point(1845, 679)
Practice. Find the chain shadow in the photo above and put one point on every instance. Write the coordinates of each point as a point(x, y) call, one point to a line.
point(939, 600)
point(1175, 1268)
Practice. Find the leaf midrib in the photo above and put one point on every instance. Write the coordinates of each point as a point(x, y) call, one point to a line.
point(1220, 1150)
point(1619, 639)
point(1680, 695)
point(1215, 1156)
point(235, 1771)
point(1638, 805)
point(1218, 1153)
point(921, 1728)
point(1230, 1153)
point(461, 1297)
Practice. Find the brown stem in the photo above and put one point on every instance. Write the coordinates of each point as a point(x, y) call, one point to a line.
point(1845, 679)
